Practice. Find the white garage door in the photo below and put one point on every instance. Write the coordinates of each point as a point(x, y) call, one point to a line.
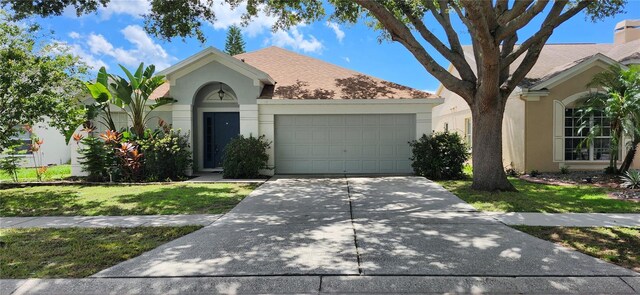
point(316, 144)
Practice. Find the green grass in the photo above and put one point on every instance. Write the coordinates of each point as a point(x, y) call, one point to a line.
point(533, 197)
point(173, 198)
point(57, 172)
point(76, 252)
point(618, 245)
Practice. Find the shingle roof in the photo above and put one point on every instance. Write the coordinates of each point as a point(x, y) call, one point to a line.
point(302, 77)
point(556, 58)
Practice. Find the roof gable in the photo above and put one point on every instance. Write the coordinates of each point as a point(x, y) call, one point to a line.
point(567, 71)
point(211, 54)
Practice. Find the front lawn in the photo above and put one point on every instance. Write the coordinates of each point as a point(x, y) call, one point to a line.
point(76, 252)
point(533, 197)
point(175, 198)
point(58, 172)
point(618, 245)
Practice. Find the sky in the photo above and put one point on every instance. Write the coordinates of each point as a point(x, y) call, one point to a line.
point(115, 35)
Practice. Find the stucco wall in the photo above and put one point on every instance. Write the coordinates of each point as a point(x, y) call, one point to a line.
point(455, 110)
point(540, 125)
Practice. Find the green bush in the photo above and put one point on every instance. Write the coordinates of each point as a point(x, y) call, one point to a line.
point(96, 158)
point(439, 156)
point(245, 156)
point(166, 156)
point(9, 163)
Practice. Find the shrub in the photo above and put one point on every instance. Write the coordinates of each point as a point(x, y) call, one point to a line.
point(631, 179)
point(534, 173)
point(96, 158)
point(439, 156)
point(166, 156)
point(9, 163)
point(564, 170)
point(245, 156)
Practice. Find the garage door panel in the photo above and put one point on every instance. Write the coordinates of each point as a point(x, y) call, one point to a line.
point(320, 136)
point(321, 151)
point(336, 120)
point(337, 134)
point(376, 143)
point(354, 120)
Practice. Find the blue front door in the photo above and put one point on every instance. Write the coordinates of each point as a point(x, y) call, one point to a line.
point(219, 129)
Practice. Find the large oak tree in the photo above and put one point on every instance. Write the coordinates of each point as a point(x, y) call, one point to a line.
point(502, 58)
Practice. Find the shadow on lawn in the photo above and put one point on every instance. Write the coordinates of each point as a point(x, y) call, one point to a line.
point(176, 200)
point(533, 197)
point(59, 201)
point(169, 199)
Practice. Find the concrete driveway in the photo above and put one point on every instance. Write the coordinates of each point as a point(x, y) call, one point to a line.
point(391, 226)
point(381, 226)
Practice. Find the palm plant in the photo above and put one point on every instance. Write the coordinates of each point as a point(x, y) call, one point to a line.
point(135, 94)
point(620, 104)
point(131, 95)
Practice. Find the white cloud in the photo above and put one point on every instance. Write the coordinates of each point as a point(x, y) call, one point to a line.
point(226, 17)
point(74, 35)
point(336, 29)
point(99, 45)
point(346, 58)
point(133, 8)
point(143, 49)
point(296, 40)
point(88, 58)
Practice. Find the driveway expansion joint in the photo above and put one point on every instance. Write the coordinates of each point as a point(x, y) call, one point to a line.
point(353, 226)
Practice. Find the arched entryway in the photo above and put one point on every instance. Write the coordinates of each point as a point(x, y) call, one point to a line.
point(218, 121)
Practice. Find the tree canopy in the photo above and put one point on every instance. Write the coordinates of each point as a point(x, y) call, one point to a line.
point(37, 83)
point(235, 43)
point(502, 58)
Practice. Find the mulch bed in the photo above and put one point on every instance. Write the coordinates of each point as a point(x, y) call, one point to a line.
point(597, 179)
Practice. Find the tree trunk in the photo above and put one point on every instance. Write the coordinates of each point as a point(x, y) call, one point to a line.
point(488, 172)
point(628, 159)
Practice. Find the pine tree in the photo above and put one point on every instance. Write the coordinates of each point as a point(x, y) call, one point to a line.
point(235, 43)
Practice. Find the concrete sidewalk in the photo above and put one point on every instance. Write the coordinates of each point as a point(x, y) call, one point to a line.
point(108, 221)
point(568, 219)
point(326, 285)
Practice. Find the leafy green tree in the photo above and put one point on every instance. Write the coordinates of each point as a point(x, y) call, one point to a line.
point(37, 83)
point(235, 43)
point(493, 27)
point(620, 103)
point(131, 94)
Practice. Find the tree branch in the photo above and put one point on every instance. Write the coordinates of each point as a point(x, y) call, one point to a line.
point(456, 57)
point(519, 6)
point(401, 33)
point(523, 19)
point(552, 21)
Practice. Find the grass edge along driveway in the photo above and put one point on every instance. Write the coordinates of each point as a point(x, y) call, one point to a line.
point(618, 245)
point(546, 198)
point(121, 200)
point(76, 252)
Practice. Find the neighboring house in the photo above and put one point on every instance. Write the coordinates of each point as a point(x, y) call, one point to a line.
point(54, 150)
point(320, 118)
point(539, 130)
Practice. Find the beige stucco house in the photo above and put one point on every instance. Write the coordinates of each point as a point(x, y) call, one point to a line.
point(539, 131)
point(320, 118)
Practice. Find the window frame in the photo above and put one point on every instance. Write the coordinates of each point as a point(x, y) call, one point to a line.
point(591, 149)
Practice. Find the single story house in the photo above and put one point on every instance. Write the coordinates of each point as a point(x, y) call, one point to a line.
point(539, 128)
point(319, 117)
